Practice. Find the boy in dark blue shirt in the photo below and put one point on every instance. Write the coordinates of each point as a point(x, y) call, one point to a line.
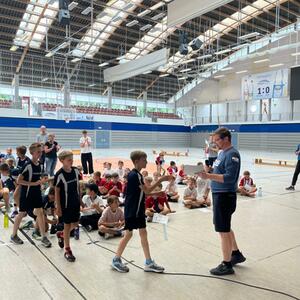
point(296, 172)
point(135, 213)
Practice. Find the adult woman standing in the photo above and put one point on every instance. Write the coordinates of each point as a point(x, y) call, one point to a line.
point(51, 148)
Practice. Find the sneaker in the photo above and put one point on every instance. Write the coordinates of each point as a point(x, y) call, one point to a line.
point(60, 239)
point(45, 242)
point(237, 258)
point(119, 266)
point(69, 256)
point(88, 228)
point(76, 233)
point(36, 235)
point(290, 188)
point(108, 236)
point(119, 233)
point(16, 240)
point(53, 229)
point(222, 269)
point(27, 225)
point(14, 213)
point(153, 267)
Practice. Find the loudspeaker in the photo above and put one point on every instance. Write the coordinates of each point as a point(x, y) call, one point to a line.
point(183, 49)
point(64, 17)
point(63, 4)
point(196, 44)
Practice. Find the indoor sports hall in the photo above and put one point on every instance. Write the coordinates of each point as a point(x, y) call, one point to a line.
point(149, 149)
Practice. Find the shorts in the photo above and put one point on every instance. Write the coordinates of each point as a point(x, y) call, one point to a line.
point(224, 205)
point(31, 201)
point(70, 215)
point(135, 223)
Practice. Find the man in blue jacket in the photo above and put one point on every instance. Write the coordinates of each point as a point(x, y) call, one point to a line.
point(224, 179)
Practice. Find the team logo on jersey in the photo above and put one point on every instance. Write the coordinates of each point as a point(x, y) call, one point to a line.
point(235, 159)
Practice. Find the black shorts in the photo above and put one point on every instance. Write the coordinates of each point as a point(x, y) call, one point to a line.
point(70, 215)
point(135, 223)
point(30, 201)
point(224, 205)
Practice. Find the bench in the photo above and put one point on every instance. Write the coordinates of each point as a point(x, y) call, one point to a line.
point(275, 162)
point(75, 151)
point(171, 153)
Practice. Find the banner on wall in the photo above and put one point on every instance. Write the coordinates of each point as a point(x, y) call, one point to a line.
point(267, 85)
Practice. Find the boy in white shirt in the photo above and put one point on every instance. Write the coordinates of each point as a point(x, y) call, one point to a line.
point(190, 196)
point(86, 153)
point(172, 191)
point(120, 170)
point(93, 208)
point(112, 220)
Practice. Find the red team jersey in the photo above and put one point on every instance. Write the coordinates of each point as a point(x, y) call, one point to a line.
point(110, 185)
point(245, 181)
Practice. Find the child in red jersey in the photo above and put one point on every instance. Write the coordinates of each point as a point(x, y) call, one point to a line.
point(246, 185)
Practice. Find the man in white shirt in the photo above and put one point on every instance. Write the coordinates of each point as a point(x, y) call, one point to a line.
point(86, 153)
point(93, 207)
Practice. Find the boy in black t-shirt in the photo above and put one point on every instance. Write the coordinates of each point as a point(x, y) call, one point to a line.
point(31, 195)
point(135, 213)
point(66, 182)
point(21, 161)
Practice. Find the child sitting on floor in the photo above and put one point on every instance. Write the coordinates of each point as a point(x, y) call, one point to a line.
point(92, 209)
point(203, 189)
point(246, 185)
point(115, 186)
point(181, 177)
point(190, 196)
point(148, 181)
point(112, 220)
point(172, 169)
point(157, 204)
point(145, 173)
point(156, 176)
point(120, 170)
point(172, 191)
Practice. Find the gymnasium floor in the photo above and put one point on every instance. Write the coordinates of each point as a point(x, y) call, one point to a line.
point(267, 231)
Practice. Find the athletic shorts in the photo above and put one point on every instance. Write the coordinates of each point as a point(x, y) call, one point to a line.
point(70, 215)
point(224, 205)
point(31, 201)
point(135, 223)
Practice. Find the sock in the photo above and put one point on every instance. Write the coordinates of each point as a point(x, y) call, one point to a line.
point(15, 207)
point(236, 252)
point(227, 264)
point(67, 249)
point(148, 261)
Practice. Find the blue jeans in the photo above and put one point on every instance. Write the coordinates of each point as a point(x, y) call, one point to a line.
point(50, 165)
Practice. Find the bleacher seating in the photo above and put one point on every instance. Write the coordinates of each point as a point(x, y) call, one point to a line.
point(6, 103)
point(162, 115)
point(92, 110)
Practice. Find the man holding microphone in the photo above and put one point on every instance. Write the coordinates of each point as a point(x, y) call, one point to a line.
point(224, 179)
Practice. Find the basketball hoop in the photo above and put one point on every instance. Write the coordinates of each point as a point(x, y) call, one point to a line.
point(67, 120)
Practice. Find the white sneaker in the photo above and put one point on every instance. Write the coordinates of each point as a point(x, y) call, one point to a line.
point(153, 267)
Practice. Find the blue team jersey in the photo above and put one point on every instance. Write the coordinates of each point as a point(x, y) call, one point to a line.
point(227, 163)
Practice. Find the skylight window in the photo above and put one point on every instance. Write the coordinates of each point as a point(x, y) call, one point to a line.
point(104, 26)
point(29, 20)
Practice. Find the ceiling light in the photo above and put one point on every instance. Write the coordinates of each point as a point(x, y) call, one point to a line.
point(185, 70)
point(249, 35)
point(157, 17)
point(147, 72)
point(127, 6)
point(49, 54)
point(219, 76)
point(163, 94)
point(91, 85)
point(86, 11)
point(241, 72)
point(132, 23)
point(276, 65)
point(145, 27)
point(76, 59)
point(144, 13)
point(204, 56)
point(130, 90)
point(72, 5)
point(181, 78)
point(45, 79)
point(164, 75)
point(103, 64)
point(295, 66)
point(189, 61)
point(116, 18)
point(157, 5)
point(14, 48)
point(227, 69)
point(261, 61)
point(121, 57)
point(223, 51)
point(295, 54)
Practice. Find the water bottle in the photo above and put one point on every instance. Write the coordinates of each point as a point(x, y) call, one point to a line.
point(6, 221)
point(259, 192)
